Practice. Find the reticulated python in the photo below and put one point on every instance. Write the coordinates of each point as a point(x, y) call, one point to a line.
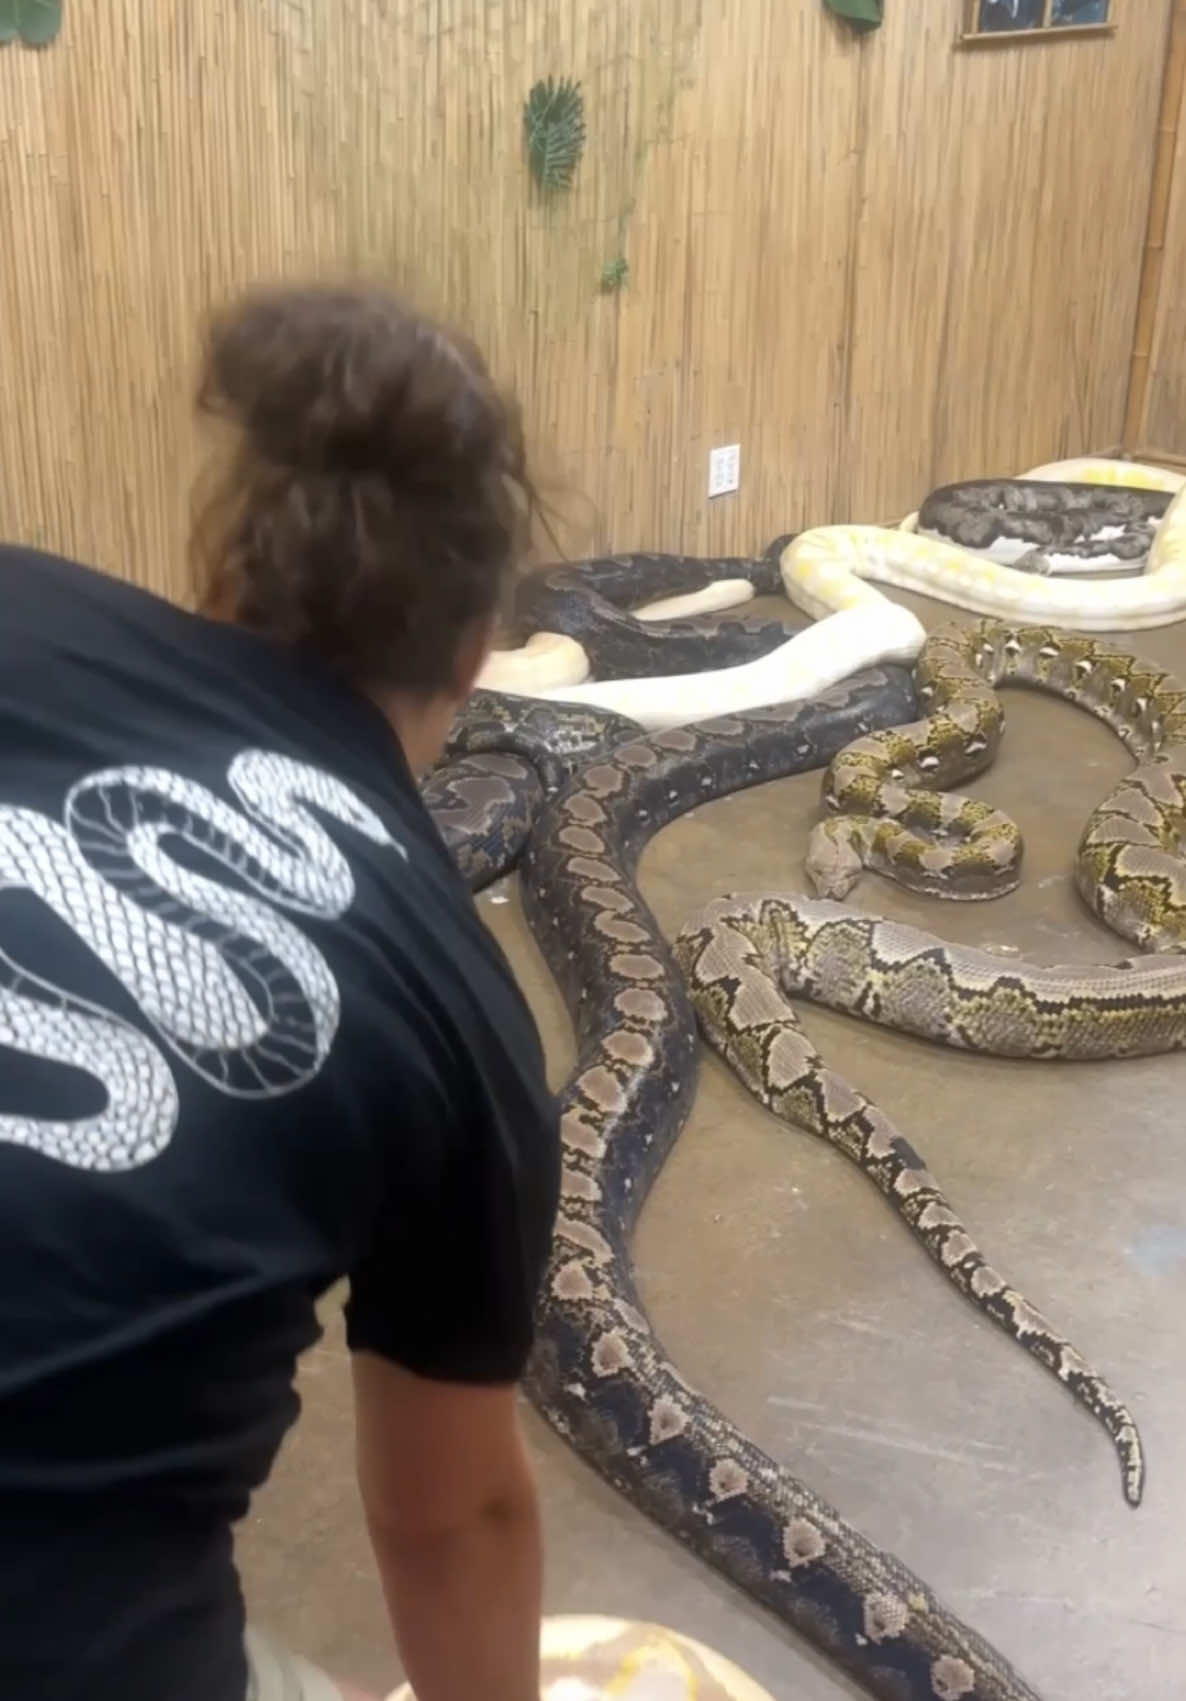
point(591, 601)
point(1040, 527)
point(599, 1375)
point(747, 959)
point(890, 814)
point(507, 755)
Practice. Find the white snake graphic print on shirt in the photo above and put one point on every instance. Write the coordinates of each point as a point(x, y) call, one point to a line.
point(236, 991)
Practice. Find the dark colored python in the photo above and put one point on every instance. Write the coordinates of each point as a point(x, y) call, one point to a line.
point(590, 602)
point(505, 758)
point(1041, 527)
point(599, 1375)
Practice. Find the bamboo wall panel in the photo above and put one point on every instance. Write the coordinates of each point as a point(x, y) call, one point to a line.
point(1158, 411)
point(876, 262)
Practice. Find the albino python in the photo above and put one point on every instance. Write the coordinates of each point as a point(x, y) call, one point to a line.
point(598, 1374)
point(803, 667)
point(826, 569)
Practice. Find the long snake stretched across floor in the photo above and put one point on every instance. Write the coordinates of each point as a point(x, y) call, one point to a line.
point(599, 1375)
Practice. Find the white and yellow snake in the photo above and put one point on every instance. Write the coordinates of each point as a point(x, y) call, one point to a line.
point(828, 568)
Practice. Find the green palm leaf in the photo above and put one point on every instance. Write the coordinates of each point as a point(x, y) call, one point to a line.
point(863, 14)
point(36, 22)
point(554, 130)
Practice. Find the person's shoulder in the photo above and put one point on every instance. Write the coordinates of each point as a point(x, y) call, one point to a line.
point(43, 589)
point(23, 566)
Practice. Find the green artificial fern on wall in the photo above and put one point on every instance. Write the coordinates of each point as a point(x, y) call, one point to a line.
point(614, 274)
point(861, 14)
point(554, 130)
point(35, 22)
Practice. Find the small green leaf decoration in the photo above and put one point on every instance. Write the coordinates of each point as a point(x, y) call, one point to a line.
point(861, 14)
point(36, 22)
point(614, 274)
point(554, 129)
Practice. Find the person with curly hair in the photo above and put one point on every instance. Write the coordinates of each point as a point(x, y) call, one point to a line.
point(254, 1037)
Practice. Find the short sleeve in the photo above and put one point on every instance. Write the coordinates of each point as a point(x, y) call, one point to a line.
point(447, 1282)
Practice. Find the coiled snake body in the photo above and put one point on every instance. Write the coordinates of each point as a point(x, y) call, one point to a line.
point(590, 601)
point(1041, 527)
point(891, 816)
point(828, 568)
point(506, 756)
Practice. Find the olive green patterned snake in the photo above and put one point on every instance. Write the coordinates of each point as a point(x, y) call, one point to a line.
point(746, 959)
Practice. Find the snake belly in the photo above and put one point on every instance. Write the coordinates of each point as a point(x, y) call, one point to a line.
point(890, 814)
point(598, 1374)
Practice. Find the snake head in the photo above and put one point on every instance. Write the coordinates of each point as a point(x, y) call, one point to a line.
point(833, 863)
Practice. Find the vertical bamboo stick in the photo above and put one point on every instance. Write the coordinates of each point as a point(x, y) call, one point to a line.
point(1173, 87)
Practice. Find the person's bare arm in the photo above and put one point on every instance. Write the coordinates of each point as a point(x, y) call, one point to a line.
point(450, 1502)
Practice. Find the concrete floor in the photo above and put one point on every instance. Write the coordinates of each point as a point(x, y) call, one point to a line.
point(784, 1287)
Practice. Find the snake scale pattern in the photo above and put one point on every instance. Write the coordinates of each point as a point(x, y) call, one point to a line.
point(829, 568)
point(890, 815)
point(599, 1375)
point(590, 601)
point(1040, 527)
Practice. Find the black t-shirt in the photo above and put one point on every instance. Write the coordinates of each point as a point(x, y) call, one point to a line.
point(253, 1037)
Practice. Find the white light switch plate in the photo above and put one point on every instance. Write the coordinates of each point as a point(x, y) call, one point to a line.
point(724, 469)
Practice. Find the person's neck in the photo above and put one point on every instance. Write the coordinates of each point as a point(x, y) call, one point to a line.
point(422, 724)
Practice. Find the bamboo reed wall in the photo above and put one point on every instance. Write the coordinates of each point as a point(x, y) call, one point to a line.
point(1156, 420)
point(876, 262)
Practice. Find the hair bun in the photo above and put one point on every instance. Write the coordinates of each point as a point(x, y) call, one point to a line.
point(351, 382)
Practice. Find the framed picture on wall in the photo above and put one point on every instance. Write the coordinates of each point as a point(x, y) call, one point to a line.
point(1034, 20)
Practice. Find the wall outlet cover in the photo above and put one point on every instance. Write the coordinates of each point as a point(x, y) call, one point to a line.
point(724, 469)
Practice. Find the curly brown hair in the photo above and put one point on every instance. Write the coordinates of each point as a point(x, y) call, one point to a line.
point(377, 496)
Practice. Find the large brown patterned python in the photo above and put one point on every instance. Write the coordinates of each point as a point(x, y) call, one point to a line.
point(505, 757)
point(599, 1375)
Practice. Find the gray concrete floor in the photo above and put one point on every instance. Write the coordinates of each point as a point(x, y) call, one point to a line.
point(785, 1288)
